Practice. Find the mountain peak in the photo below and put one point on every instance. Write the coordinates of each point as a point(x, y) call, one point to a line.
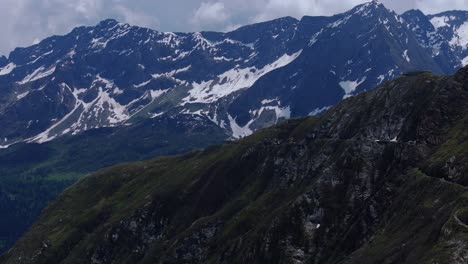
point(373, 10)
point(373, 4)
point(369, 8)
point(108, 23)
point(414, 12)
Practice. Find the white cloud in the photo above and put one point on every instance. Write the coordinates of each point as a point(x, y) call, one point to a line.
point(86, 8)
point(209, 15)
point(299, 8)
point(136, 18)
point(22, 22)
point(436, 6)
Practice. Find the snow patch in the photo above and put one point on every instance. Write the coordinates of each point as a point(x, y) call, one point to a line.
point(460, 37)
point(405, 55)
point(284, 112)
point(45, 136)
point(171, 73)
point(387, 76)
point(143, 84)
point(238, 131)
point(381, 78)
point(99, 43)
point(42, 56)
point(71, 54)
point(314, 38)
point(319, 110)
point(233, 80)
point(118, 113)
point(103, 104)
point(5, 146)
point(39, 73)
point(465, 61)
point(439, 22)
point(267, 101)
point(7, 69)
point(157, 93)
point(222, 58)
point(117, 91)
point(350, 86)
point(156, 115)
point(108, 84)
point(280, 112)
point(21, 96)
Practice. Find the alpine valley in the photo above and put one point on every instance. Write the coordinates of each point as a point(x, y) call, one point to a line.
point(113, 93)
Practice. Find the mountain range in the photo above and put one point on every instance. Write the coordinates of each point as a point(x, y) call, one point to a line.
point(113, 92)
point(115, 74)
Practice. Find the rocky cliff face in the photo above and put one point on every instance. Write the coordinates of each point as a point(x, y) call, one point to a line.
point(380, 178)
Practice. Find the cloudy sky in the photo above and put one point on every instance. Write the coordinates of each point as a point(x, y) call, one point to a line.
point(24, 22)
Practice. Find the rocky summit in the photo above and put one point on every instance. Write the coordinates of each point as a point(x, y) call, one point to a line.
point(379, 178)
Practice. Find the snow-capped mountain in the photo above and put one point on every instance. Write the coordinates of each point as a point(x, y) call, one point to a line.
point(115, 74)
point(446, 34)
point(453, 26)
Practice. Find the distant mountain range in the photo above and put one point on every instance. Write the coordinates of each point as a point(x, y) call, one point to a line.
point(116, 93)
point(115, 74)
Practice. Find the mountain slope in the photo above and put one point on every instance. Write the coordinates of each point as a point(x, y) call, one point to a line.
point(380, 178)
point(113, 74)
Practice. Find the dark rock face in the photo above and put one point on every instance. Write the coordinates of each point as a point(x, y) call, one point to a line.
point(377, 179)
point(112, 74)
